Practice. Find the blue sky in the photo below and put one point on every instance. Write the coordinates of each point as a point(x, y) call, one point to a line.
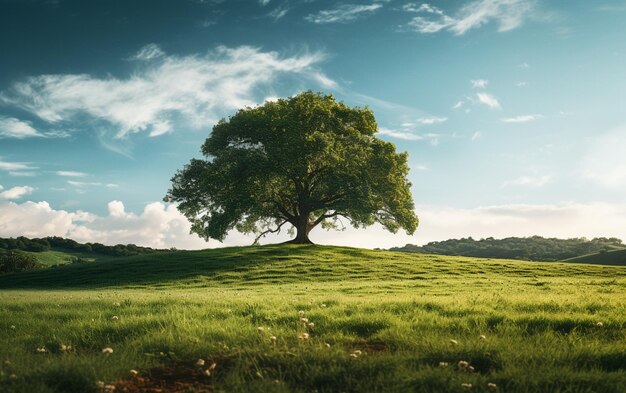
point(512, 111)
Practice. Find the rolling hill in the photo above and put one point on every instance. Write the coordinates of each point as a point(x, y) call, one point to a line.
point(287, 318)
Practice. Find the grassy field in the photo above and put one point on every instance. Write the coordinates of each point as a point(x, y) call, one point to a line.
point(381, 321)
point(62, 257)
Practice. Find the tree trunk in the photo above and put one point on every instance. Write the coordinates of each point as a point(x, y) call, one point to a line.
point(303, 228)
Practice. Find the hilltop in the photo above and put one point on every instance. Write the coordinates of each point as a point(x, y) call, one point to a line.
point(279, 264)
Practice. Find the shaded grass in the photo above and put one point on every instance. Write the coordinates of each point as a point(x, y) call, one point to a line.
point(401, 311)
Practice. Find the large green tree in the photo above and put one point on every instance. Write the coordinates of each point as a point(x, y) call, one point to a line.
point(301, 162)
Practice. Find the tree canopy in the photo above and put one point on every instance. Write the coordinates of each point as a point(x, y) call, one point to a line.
point(302, 162)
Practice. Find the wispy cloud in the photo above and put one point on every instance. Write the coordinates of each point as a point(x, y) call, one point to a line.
point(264, 2)
point(409, 136)
point(164, 89)
point(11, 127)
point(489, 100)
point(431, 120)
point(522, 118)
point(479, 83)
point(16, 192)
point(508, 14)
point(17, 168)
point(476, 135)
point(343, 13)
point(81, 184)
point(278, 12)
point(71, 174)
point(528, 181)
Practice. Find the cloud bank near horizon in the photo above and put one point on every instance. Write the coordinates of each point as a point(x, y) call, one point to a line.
point(161, 225)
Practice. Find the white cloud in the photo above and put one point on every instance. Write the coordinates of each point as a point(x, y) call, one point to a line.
point(522, 118)
point(16, 192)
point(343, 13)
point(82, 183)
point(431, 120)
point(17, 168)
point(149, 52)
point(264, 2)
point(458, 105)
point(409, 136)
point(278, 12)
point(489, 100)
point(508, 14)
point(71, 173)
point(11, 127)
point(477, 135)
point(164, 88)
point(521, 84)
point(479, 83)
point(604, 162)
point(528, 181)
point(562, 220)
point(162, 226)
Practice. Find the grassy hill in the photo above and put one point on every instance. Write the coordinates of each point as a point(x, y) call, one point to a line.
point(381, 321)
point(616, 257)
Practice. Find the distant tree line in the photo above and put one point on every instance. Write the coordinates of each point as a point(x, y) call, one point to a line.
point(48, 243)
point(534, 248)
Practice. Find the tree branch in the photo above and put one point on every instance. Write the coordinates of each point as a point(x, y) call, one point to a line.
point(262, 234)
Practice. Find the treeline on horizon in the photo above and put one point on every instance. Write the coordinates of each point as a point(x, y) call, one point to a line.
point(54, 242)
point(535, 248)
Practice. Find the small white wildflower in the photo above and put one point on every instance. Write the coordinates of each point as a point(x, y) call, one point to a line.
point(260, 329)
point(599, 324)
point(115, 318)
point(466, 385)
point(492, 386)
point(463, 364)
point(303, 336)
point(454, 342)
point(273, 339)
point(482, 337)
point(300, 313)
point(327, 345)
point(200, 362)
point(109, 388)
point(107, 350)
point(323, 305)
point(304, 320)
point(133, 372)
point(12, 327)
point(354, 355)
point(311, 325)
point(65, 348)
point(117, 304)
point(443, 364)
point(41, 350)
point(357, 352)
point(470, 368)
point(206, 372)
point(212, 366)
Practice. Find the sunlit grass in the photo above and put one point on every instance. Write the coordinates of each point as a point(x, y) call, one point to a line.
point(286, 318)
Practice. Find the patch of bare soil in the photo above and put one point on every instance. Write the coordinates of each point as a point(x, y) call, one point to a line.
point(173, 378)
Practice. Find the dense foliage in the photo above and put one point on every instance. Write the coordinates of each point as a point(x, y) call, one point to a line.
point(304, 161)
point(55, 242)
point(534, 248)
point(15, 261)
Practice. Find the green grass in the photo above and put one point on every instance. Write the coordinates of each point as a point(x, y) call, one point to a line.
point(61, 257)
point(615, 257)
point(540, 322)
